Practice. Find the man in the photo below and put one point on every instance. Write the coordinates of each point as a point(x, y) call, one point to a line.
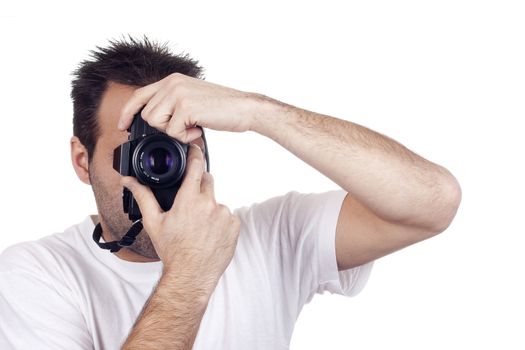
point(199, 276)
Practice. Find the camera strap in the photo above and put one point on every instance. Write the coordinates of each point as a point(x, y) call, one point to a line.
point(125, 241)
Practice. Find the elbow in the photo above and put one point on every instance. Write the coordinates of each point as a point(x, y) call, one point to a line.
point(451, 195)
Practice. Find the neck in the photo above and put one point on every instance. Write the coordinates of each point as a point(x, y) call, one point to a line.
point(124, 253)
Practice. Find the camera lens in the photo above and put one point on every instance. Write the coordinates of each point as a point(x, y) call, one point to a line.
point(159, 161)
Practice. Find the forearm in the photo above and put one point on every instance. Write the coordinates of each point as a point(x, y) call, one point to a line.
point(395, 183)
point(171, 317)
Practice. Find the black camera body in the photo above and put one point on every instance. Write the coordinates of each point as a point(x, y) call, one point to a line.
point(156, 160)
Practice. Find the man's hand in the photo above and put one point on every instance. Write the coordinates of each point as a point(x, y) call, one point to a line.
point(177, 103)
point(196, 232)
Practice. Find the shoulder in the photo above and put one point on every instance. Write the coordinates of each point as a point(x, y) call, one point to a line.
point(293, 203)
point(35, 293)
point(281, 220)
point(273, 202)
point(42, 255)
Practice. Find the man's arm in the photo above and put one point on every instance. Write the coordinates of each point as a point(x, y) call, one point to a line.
point(408, 197)
point(395, 183)
point(395, 197)
point(172, 315)
point(196, 240)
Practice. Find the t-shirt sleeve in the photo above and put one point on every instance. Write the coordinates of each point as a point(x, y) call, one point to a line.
point(33, 313)
point(301, 228)
point(348, 282)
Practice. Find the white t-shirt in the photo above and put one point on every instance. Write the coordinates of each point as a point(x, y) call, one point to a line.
point(63, 292)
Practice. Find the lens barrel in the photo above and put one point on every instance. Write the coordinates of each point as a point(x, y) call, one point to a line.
point(158, 160)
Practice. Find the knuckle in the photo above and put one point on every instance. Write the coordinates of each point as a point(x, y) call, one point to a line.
point(174, 87)
point(182, 103)
point(146, 111)
point(171, 128)
point(174, 79)
point(209, 206)
point(223, 210)
point(174, 76)
point(177, 87)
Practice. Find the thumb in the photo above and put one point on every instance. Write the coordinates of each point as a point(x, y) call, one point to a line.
point(148, 205)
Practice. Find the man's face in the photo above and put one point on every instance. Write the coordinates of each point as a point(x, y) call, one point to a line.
point(105, 181)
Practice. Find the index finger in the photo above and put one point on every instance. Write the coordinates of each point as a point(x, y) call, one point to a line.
point(138, 99)
point(148, 204)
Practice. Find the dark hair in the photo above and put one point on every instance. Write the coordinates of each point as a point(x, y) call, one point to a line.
point(132, 62)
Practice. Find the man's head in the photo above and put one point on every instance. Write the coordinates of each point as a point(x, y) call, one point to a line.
point(100, 88)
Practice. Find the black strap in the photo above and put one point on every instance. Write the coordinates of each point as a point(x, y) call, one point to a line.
point(125, 241)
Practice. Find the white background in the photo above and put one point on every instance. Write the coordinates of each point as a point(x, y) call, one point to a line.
point(444, 78)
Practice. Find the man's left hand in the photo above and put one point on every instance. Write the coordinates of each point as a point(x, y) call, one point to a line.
point(177, 103)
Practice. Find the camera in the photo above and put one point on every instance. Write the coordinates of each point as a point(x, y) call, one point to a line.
point(156, 159)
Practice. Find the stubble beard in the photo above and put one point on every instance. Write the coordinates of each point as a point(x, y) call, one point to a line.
point(110, 211)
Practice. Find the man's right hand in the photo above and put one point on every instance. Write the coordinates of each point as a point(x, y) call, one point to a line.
point(197, 234)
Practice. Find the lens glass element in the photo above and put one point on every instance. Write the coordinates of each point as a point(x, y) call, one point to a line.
point(159, 161)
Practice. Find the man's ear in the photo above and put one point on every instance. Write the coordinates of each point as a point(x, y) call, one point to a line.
point(79, 158)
